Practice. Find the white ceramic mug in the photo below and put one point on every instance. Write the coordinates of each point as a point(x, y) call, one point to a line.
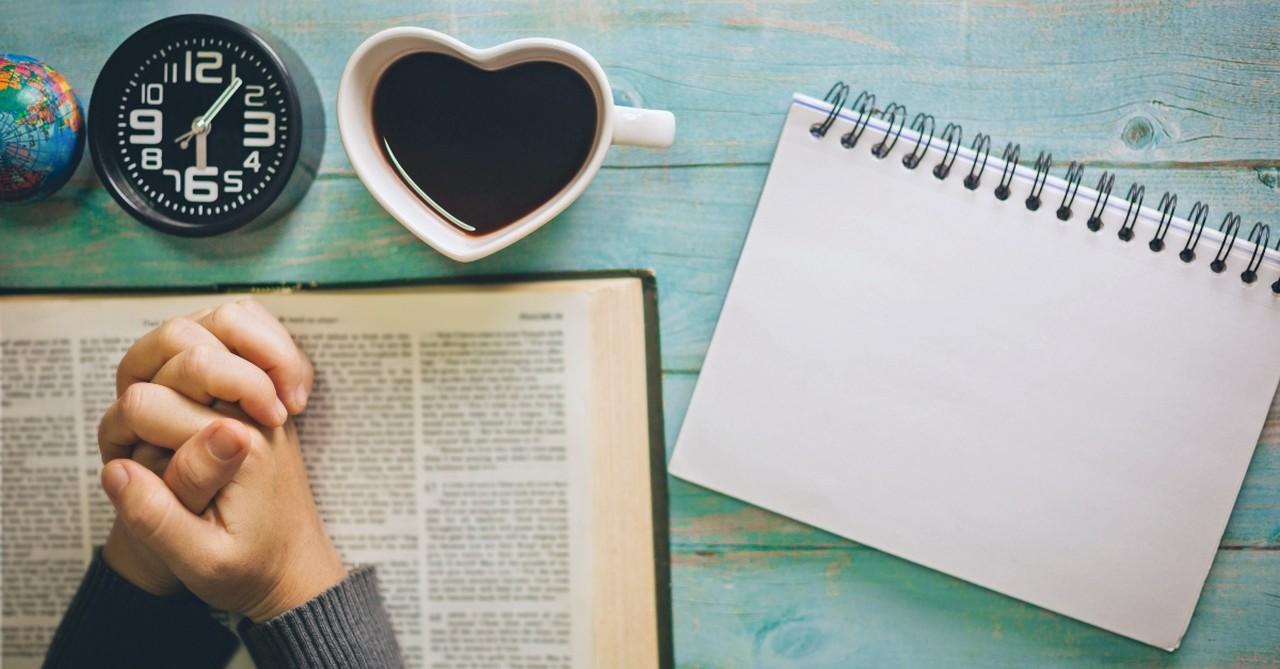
point(407, 202)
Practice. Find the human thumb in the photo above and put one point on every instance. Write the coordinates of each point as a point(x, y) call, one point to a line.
point(150, 511)
point(207, 462)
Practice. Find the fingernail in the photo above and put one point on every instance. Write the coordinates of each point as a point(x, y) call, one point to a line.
point(300, 396)
point(223, 444)
point(282, 414)
point(114, 478)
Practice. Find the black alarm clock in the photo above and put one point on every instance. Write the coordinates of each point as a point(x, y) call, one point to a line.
point(199, 125)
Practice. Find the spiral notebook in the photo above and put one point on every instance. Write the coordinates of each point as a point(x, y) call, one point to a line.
point(941, 351)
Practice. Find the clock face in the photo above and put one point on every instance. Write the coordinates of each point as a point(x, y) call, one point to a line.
point(196, 125)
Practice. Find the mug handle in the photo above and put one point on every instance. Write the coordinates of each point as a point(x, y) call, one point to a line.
point(651, 128)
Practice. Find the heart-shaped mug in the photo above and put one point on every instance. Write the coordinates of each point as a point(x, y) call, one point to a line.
point(473, 149)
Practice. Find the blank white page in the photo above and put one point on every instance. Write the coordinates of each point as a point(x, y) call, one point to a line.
point(1012, 399)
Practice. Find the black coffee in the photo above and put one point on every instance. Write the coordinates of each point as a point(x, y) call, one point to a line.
point(484, 148)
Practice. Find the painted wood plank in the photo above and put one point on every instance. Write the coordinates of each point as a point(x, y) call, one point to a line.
point(686, 223)
point(835, 608)
point(1133, 82)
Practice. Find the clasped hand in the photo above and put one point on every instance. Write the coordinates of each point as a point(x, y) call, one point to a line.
point(204, 467)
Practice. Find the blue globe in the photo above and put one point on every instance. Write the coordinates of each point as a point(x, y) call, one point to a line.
point(41, 130)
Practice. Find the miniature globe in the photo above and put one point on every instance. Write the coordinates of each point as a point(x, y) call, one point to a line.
point(41, 130)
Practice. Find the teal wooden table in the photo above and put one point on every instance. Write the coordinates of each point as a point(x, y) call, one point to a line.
point(1180, 98)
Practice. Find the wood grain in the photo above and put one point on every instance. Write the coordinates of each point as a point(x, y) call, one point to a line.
point(835, 608)
point(1179, 96)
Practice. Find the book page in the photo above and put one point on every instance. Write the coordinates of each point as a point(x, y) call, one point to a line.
point(447, 441)
point(55, 383)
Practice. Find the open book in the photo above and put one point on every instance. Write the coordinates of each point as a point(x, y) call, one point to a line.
point(494, 448)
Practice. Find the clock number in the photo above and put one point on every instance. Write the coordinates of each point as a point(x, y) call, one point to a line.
point(197, 190)
point(232, 179)
point(253, 162)
point(211, 60)
point(152, 159)
point(253, 96)
point(177, 178)
point(259, 123)
point(152, 94)
point(146, 120)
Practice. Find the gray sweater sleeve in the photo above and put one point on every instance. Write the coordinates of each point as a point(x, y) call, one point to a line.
point(344, 627)
point(113, 623)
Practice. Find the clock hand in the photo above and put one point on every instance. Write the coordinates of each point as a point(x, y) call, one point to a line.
point(201, 124)
point(202, 149)
point(220, 102)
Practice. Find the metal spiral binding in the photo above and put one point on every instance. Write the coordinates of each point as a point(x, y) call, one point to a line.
point(1199, 216)
point(981, 144)
point(1011, 153)
point(890, 114)
point(836, 96)
point(866, 104)
point(1074, 175)
point(1105, 184)
point(1260, 235)
point(952, 135)
point(1168, 202)
point(1230, 228)
point(1043, 162)
point(1275, 287)
point(924, 125)
point(1136, 192)
point(922, 120)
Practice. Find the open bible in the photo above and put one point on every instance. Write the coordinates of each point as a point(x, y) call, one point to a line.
point(495, 448)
